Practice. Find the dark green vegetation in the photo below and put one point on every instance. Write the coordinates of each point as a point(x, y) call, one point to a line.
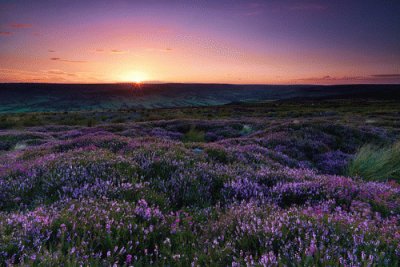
point(19, 98)
point(357, 112)
point(287, 183)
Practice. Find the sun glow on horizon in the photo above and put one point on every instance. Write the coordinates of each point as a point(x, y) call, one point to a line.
point(136, 77)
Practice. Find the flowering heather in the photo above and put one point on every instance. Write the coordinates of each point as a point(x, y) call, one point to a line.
point(252, 192)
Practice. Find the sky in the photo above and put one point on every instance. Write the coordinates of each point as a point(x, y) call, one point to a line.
point(240, 42)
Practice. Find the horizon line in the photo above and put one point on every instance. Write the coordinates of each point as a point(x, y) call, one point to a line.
point(200, 83)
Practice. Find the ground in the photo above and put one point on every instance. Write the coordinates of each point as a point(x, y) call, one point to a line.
point(258, 184)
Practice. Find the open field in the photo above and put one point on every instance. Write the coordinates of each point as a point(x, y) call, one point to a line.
point(20, 98)
point(259, 184)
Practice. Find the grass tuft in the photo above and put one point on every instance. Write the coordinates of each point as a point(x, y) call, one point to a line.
point(194, 135)
point(372, 163)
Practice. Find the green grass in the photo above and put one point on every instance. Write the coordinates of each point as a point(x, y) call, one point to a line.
point(372, 163)
point(344, 109)
point(194, 135)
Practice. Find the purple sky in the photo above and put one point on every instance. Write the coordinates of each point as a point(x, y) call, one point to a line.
point(287, 42)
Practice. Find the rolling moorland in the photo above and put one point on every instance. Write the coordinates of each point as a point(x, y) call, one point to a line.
point(307, 180)
point(38, 97)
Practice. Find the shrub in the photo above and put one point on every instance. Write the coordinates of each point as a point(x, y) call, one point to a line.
point(31, 121)
point(5, 123)
point(333, 162)
point(194, 135)
point(216, 154)
point(372, 163)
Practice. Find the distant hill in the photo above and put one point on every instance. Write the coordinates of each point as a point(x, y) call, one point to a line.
point(73, 97)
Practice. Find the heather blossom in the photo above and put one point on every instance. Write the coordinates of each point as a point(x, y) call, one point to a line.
point(254, 192)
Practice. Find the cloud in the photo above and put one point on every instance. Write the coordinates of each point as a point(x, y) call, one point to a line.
point(7, 71)
point(112, 51)
point(7, 6)
point(259, 8)
point(49, 75)
point(253, 9)
point(254, 13)
point(391, 75)
point(60, 72)
point(12, 75)
point(21, 26)
point(308, 7)
point(374, 78)
point(5, 33)
point(97, 50)
point(332, 78)
point(168, 49)
point(116, 51)
point(66, 60)
point(51, 51)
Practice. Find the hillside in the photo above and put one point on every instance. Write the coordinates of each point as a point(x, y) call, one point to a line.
point(75, 97)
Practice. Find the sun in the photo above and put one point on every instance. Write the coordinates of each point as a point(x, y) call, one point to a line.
point(136, 77)
point(137, 80)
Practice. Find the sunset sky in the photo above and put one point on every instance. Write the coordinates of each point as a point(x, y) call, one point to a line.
point(244, 42)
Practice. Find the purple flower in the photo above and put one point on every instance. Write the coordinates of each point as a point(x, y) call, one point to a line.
point(128, 258)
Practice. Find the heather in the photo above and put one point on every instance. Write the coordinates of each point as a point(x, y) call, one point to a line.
point(252, 185)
